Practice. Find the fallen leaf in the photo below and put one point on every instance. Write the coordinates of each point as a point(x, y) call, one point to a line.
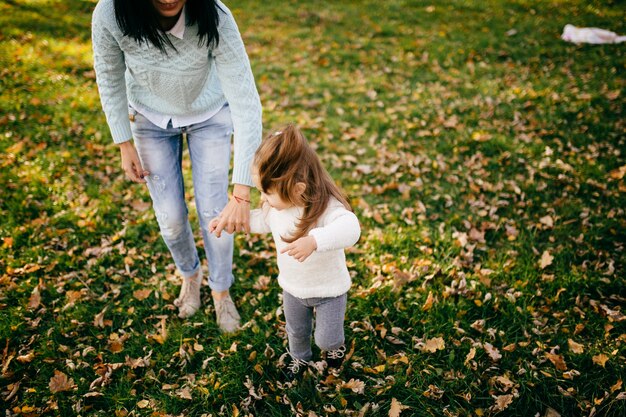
point(547, 221)
point(557, 361)
point(600, 359)
point(551, 412)
point(493, 352)
point(396, 408)
point(35, 299)
point(502, 402)
point(429, 302)
point(143, 404)
point(618, 174)
point(546, 260)
point(434, 392)
point(575, 347)
point(434, 344)
point(142, 294)
point(355, 385)
point(184, 393)
point(60, 382)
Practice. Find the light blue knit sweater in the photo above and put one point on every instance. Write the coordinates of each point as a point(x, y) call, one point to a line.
point(190, 81)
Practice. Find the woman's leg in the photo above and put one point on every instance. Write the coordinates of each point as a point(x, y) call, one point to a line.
point(209, 148)
point(160, 151)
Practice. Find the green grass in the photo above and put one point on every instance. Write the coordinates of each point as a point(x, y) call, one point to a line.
point(455, 142)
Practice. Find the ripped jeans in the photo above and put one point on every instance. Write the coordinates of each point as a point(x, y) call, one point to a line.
point(160, 151)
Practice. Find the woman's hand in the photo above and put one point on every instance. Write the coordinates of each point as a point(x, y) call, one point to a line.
point(301, 248)
point(236, 215)
point(131, 163)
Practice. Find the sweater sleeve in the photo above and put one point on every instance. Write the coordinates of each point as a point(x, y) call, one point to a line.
point(110, 67)
point(341, 229)
point(258, 223)
point(237, 81)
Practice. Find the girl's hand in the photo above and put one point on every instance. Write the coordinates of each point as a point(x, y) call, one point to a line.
point(301, 248)
point(236, 215)
point(131, 163)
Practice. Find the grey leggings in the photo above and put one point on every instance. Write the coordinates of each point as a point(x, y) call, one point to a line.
point(329, 316)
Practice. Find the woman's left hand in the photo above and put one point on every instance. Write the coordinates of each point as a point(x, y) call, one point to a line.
point(236, 215)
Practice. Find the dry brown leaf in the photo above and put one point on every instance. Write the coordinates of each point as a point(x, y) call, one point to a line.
point(550, 412)
point(60, 382)
point(355, 385)
point(470, 355)
point(396, 408)
point(434, 344)
point(600, 359)
point(142, 294)
point(502, 402)
point(26, 358)
point(618, 174)
point(35, 299)
point(492, 351)
point(575, 347)
point(546, 260)
point(434, 392)
point(184, 393)
point(429, 302)
point(547, 221)
point(557, 361)
point(143, 404)
point(617, 386)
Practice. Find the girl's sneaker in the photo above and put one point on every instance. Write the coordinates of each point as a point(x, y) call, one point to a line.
point(334, 358)
point(295, 368)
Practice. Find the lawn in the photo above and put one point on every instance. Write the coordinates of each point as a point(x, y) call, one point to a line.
point(484, 156)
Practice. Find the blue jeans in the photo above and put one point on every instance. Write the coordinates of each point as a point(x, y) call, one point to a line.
point(329, 318)
point(160, 151)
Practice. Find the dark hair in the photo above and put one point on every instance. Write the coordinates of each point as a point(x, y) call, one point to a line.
point(283, 160)
point(139, 20)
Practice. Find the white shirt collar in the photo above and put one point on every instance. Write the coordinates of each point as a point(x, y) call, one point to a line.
point(179, 28)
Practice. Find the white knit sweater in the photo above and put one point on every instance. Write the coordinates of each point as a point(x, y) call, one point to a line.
point(324, 273)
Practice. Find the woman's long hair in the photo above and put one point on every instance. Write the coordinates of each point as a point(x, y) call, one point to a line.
point(139, 20)
point(285, 159)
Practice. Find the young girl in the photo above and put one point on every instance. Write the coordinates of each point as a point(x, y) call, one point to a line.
point(174, 70)
point(311, 223)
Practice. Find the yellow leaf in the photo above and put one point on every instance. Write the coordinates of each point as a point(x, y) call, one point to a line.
point(434, 344)
point(143, 404)
point(429, 302)
point(575, 347)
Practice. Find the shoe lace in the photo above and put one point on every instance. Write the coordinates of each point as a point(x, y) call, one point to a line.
point(337, 353)
point(294, 366)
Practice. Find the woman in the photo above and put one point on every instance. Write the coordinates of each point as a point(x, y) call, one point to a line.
point(169, 70)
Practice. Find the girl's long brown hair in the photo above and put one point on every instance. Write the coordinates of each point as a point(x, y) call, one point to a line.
point(282, 161)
